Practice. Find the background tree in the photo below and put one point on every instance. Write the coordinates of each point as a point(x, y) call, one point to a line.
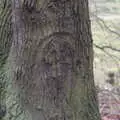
point(51, 59)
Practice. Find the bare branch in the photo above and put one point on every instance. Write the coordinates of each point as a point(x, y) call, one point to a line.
point(115, 58)
point(106, 26)
point(107, 47)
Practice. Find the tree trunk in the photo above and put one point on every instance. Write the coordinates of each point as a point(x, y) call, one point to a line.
point(52, 59)
point(5, 43)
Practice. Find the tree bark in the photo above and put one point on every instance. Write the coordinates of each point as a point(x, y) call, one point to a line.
point(5, 43)
point(52, 59)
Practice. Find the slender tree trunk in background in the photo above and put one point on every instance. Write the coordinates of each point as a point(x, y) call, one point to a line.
point(52, 59)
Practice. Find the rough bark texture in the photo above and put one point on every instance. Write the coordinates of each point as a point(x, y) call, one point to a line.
point(52, 59)
point(5, 43)
point(5, 30)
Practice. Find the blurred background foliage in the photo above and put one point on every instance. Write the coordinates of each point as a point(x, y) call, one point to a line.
point(105, 18)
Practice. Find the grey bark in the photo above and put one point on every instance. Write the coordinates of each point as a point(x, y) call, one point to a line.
point(52, 59)
point(5, 43)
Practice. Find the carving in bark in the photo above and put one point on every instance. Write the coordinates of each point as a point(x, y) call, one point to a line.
point(57, 66)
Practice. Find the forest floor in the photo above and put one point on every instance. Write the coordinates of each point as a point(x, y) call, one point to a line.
point(109, 103)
